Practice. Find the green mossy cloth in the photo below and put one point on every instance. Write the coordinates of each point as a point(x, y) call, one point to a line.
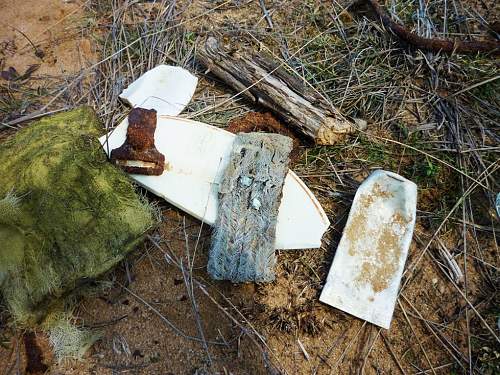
point(66, 214)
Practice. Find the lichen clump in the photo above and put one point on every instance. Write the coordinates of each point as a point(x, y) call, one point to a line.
point(66, 214)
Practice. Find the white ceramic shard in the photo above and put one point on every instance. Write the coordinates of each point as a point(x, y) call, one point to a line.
point(196, 155)
point(167, 89)
point(366, 272)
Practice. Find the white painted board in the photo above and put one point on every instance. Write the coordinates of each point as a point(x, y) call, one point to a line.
point(366, 271)
point(196, 155)
point(166, 89)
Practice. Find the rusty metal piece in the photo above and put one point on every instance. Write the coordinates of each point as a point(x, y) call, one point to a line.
point(434, 44)
point(138, 154)
point(266, 122)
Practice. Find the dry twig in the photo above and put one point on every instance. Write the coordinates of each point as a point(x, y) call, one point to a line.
point(434, 44)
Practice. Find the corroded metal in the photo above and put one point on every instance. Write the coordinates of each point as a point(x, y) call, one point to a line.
point(138, 154)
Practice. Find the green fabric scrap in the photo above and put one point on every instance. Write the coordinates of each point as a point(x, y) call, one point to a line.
point(66, 214)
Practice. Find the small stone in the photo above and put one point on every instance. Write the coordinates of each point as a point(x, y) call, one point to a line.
point(434, 281)
point(256, 203)
point(246, 181)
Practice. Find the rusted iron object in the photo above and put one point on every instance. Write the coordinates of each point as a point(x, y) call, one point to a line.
point(435, 44)
point(138, 154)
point(264, 122)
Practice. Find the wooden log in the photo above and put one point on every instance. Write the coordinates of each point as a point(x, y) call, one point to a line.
point(265, 82)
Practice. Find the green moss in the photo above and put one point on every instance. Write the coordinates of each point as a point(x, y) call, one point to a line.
point(67, 339)
point(76, 214)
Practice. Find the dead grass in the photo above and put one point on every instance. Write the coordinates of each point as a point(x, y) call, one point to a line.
point(432, 118)
point(426, 122)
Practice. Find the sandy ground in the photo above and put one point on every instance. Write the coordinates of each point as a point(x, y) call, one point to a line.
point(51, 29)
point(150, 296)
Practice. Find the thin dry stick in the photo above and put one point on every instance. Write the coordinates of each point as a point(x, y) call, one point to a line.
point(10, 367)
point(42, 111)
point(369, 351)
point(434, 44)
point(441, 327)
point(466, 288)
point(172, 259)
point(303, 349)
point(437, 368)
point(434, 333)
point(165, 320)
point(457, 204)
point(472, 307)
point(474, 86)
point(330, 349)
point(188, 281)
point(469, 190)
point(244, 330)
point(230, 303)
point(452, 264)
point(428, 155)
point(38, 52)
point(18, 356)
point(447, 275)
point(394, 356)
point(203, 220)
point(266, 14)
point(39, 115)
point(347, 348)
point(416, 337)
point(39, 41)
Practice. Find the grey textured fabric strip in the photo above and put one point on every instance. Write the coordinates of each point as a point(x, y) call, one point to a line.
point(249, 198)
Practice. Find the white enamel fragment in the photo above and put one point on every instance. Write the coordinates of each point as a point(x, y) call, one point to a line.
point(366, 272)
point(256, 204)
point(166, 89)
point(196, 155)
point(246, 181)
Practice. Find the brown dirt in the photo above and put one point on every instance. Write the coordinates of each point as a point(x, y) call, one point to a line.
point(135, 337)
point(35, 362)
point(303, 336)
point(54, 29)
point(264, 122)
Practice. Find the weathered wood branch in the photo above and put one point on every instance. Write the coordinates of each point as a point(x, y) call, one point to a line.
point(265, 82)
point(434, 44)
